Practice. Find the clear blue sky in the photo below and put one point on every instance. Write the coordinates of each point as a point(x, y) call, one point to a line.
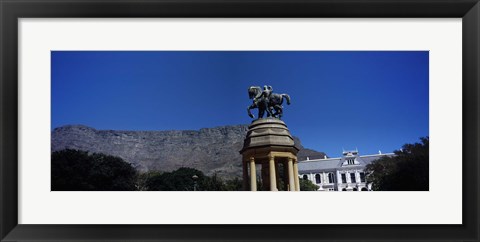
point(370, 100)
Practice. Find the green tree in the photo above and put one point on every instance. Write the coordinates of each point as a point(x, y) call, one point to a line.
point(234, 184)
point(307, 185)
point(143, 179)
point(408, 170)
point(182, 180)
point(75, 170)
point(213, 183)
point(178, 180)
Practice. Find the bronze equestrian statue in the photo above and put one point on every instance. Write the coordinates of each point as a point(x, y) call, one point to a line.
point(266, 100)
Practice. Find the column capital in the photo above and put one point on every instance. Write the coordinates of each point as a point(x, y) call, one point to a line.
point(252, 159)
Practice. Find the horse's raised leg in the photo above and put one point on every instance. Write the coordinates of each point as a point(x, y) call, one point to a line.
point(250, 112)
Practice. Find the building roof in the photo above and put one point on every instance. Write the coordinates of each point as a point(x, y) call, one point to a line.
point(330, 164)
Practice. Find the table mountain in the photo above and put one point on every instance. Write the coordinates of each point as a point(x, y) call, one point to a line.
point(209, 149)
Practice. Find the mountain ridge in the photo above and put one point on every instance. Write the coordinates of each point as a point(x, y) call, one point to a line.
point(211, 150)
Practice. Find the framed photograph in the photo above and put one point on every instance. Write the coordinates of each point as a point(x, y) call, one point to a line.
point(156, 120)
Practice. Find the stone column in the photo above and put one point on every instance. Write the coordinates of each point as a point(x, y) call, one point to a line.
point(253, 175)
point(245, 175)
point(291, 178)
point(295, 174)
point(273, 176)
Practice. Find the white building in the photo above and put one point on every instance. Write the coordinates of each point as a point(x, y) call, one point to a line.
point(344, 173)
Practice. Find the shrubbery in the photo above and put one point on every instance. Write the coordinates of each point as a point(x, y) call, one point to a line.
point(74, 170)
point(406, 171)
point(182, 180)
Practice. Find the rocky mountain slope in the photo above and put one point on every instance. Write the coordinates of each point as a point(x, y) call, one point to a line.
point(209, 149)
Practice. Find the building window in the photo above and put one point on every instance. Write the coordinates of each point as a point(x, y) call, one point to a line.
point(352, 177)
point(305, 177)
point(331, 178)
point(344, 189)
point(350, 161)
point(362, 176)
point(344, 178)
point(355, 189)
point(364, 189)
point(317, 178)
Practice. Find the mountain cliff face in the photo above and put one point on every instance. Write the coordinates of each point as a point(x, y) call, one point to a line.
point(209, 150)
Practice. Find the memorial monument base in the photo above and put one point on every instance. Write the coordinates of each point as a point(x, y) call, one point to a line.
point(270, 145)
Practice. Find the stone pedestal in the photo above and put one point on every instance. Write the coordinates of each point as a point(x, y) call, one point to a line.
point(269, 143)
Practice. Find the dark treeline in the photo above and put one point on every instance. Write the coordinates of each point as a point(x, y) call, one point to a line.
point(75, 170)
point(185, 179)
point(408, 170)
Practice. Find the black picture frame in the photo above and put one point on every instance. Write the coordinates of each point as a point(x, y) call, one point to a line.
point(11, 11)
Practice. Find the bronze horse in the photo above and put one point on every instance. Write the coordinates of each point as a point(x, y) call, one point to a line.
point(265, 101)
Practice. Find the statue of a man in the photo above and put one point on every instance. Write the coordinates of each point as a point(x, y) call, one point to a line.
point(264, 97)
